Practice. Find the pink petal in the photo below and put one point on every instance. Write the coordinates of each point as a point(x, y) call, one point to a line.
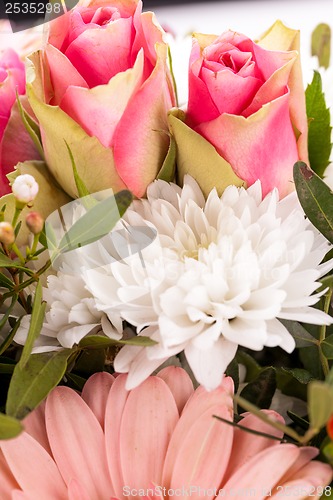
point(113, 415)
point(275, 86)
point(263, 471)
point(111, 47)
point(247, 445)
point(147, 33)
point(143, 127)
point(76, 491)
point(199, 403)
point(33, 468)
point(17, 145)
point(100, 109)
point(179, 384)
point(95, 393)
point(149, 418)
point(262, 146)
point(230, 92)
point(62, 73)
point(201, 107)
point(34, 424)
point(77, 441)
point(203, 453)
point(7, 480)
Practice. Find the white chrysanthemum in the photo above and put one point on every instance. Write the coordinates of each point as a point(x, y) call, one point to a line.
point(71, 315)
point(71, 310)
point(218, 275)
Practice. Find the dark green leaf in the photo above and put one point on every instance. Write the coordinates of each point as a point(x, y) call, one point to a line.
point(252, 367)
point(36, 323)
point(233, 372)
point(319, 138)
point(311, 361)
point(260, 392)
point(327, 347)
point(167, 172)
point(97, 222)
point(321, 44)
point(5, 317)
point(300, 421)
point(5, 281)
point(316, 199)
point(302, 337)
point(9, 427)
point(301, 375)
point(101, 342)
point(7, 368)
point(31, 384)
point(75, 381)
point(8, 340)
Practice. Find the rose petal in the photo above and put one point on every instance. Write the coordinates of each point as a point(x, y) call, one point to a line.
point(142, 126)
point(251, 147)
point(99, 110)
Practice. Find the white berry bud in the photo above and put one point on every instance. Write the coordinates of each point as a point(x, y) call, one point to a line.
point(25, 188)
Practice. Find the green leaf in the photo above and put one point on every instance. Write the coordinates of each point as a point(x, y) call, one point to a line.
point(316, 199)
point(301, 375)
point(252, 367)
point(198, 157)
point(319, 137)
point(9, 427)
point(233, 372)
point(80, 185)
point(260, 392)
point(96, 222)
point(31, 384)
point(300, 421)
point(8, 340)
point(36, 323)
point(101, 342)
point(7, 262)
point(320, 403)
point(31, 127)
point(321, 44)
point(5, 317)
point(5, 281)
point(75, 381)
point(301, 336)
point(168, 169)
point(327, 347)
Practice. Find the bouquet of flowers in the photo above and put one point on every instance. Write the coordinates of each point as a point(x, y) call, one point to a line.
point(166, 268)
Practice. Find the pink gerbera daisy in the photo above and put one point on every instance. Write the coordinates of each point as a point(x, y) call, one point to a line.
point(158, 440)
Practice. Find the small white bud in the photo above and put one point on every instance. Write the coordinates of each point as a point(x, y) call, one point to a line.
point(7, 235)
point(25, 188)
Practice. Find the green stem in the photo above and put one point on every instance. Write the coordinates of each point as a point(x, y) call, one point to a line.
point(17, 212)
point(322, 334)
point(15, 248)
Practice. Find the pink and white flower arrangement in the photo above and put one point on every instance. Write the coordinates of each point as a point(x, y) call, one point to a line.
point(163, 269)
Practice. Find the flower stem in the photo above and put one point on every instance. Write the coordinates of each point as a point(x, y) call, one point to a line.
point(322, 334)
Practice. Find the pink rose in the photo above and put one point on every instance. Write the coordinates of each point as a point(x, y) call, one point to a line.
point(248, 101)
point(103, 86)
point(12, 78)
point(15, 142)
